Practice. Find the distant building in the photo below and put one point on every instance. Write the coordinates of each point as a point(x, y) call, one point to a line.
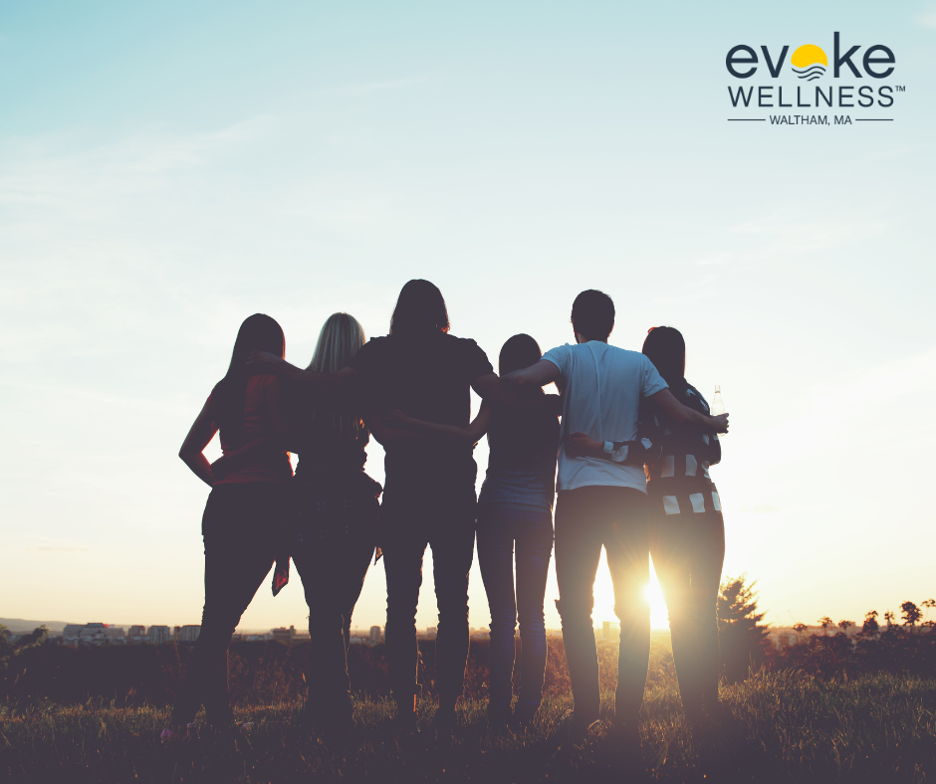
point(376, 635)
point(284, 635)
point(93, 634)
point(188, 633)
point(610, 631)
point(157, 635)
point(137, 631)
point(176, 632)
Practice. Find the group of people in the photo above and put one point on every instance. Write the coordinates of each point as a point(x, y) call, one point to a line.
point(633, 441)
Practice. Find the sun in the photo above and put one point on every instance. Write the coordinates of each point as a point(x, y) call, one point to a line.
point(809, 62)
point(604, 598)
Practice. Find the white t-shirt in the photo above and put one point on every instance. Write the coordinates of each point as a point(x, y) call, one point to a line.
point(602, 387)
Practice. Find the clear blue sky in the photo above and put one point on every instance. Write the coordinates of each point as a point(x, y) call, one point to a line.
point(168, 169)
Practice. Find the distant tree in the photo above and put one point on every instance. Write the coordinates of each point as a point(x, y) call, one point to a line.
point(826, 623)
point(742, 637)
point(870, 626)
point(929, 604)
point(800, 628)
point(889, 617)
point(845, 625)
point(910, 613)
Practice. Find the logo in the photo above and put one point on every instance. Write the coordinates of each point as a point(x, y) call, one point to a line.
point(809, 62)
point(855, 78)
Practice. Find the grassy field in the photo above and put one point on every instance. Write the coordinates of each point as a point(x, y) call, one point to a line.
point(790, 728)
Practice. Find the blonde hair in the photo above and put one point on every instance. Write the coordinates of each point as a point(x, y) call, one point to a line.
point(340, 339)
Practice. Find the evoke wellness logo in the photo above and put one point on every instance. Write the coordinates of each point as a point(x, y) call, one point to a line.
point(810, 63)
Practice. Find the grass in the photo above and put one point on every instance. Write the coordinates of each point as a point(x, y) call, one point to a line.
point(790, 727)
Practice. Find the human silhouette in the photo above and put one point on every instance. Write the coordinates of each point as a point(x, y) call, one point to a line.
point(244, 520)
point(687, 532)
point(335, 513)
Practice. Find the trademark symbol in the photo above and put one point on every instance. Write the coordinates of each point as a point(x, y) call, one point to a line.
point(900, 88)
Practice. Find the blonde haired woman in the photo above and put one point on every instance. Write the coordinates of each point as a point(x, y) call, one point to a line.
point(335, 514)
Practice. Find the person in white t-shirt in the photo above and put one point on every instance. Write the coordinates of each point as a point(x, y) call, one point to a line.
point(602, 502)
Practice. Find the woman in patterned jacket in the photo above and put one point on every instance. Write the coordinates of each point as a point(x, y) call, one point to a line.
point(687, 531)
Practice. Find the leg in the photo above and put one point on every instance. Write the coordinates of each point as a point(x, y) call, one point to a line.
point(403, 556)
point(672, 545)
point(578, 550)
point(238, 556)
point(452, 554)
point(628, 547)
point(534, 550)
point(706, 567)
point(495, 556)
point(332, 574)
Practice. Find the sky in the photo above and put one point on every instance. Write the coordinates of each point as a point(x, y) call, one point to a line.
point(168, 169)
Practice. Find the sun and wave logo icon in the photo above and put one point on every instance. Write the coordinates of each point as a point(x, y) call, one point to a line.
point(809, 62)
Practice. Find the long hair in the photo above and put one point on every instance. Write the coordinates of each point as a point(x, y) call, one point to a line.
point(526, 422)
point(420, 310)
point(666, 349)
point(340, 339)
point(259, 332)
point(518, 352)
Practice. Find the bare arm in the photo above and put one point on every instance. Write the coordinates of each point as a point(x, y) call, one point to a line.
point(265, 362)
point(666, 404)
point(193, 447)
point(539, 374)
point(472, 433)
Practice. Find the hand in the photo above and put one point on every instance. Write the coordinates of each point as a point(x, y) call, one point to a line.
point(720, 422)
point(580, 444)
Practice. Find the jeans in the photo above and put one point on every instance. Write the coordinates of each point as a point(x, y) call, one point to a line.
point(335, 520)
point(688, 551)
point(242, 526)
point(588, 518)
point(407, 529)
point(499, 527)
point(332, 577)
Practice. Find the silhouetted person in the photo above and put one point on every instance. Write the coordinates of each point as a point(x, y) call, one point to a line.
point(602, 502)
point(687, 531)
point(335, 510)
point(515, 522)
point(244, 519)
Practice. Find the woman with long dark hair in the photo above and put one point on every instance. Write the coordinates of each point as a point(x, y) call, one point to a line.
point(335, 513)
point(687, 531)
point(244, 520)
point(515, 524)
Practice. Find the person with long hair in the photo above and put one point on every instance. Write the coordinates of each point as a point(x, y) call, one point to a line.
point(515, 524)
point(335, 511)
point(244, 519)
point(687, 531)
